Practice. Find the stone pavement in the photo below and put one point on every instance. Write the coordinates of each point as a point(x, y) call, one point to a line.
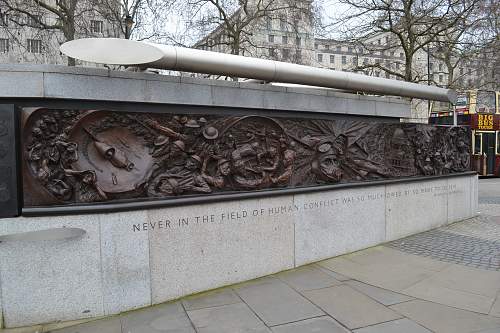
point(445, 280)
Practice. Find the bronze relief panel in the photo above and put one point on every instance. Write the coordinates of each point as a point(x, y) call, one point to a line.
point(85, 156)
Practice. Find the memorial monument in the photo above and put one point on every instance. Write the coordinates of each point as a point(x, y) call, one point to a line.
point(127, 189)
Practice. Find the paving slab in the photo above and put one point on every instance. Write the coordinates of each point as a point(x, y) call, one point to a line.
point(335, 275)
point(396, 326)
point(317, 325)
point(431, 291)
point(444, 319)
point(350, 307)
point(276, 303)
point(383, 296)
point(165, 318)
point(495, 309)
point(307, 278)
point(112, 325)
point(29, 329)
point(210, 299)
point(385, 268)
point(232, 318)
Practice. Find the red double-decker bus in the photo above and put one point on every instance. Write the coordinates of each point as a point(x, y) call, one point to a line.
point(478, 109)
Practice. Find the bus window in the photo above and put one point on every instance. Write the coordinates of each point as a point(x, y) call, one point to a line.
point(497, 151)
point(477, 143)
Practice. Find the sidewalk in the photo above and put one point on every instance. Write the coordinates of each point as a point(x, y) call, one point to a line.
point(445, 281)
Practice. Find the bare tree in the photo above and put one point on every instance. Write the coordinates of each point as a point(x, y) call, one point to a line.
point(408, 27)
point(230, 24)
point(137, 19)
point(473, 38)
point(58, 21)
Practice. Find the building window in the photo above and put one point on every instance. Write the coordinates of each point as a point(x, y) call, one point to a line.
point(96, 27)
point(282, 22)
point(327, 47)
point(272, 53)
point(4, 45)
point(271, 38)
point(298, 56)
point(365, 61)
point(284, 39)
point(34, 46)
point(386, 40)
point(269, 23)
point(397, 65)
point(332, 59)
point(315, 46)
point(431, 66)
point(3, 20)
point(349, 49)
point(440, 67)
point(286, 54)
point(392, 53)
point(440, 79)
point(297, 41)
point(344, 60)
point(469, 71)
point(320, 58)
point(339, 48)
point(379, 42)
point(387, 75)
point(401, 55)
point(354, 60)
point(33, 21)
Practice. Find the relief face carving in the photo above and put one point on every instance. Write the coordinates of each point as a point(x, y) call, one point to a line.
point(92, 156)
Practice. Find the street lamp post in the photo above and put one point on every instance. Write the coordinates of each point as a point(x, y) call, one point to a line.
point(129, 22)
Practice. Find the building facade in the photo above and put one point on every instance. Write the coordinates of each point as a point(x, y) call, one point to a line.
point(32, 34)
point(380, 55)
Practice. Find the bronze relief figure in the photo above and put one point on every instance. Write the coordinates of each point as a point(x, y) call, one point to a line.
point(89, 156)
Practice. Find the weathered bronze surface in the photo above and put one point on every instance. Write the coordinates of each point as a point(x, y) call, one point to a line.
point(9, 203)
point(87, 156)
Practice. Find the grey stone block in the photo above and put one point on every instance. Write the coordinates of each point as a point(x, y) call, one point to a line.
point(316, 325)
point(174, 93)
point(308, 91)
point(383, 296)
point(396, 326)
point(236, 97)
point(163, 318)
point(459, 199)
point(258, 86)
point(227, 319)
point(225, 245)
point(210, 299)
point(44, 281)
point(331, 223)
point(413, 208)
point(335, 275)
point(350, 307)
point(93, 87)
point(276, 303)
point(31, 83)
point(125, 262)
point(307, 278)
point(110, 325)
point(360, 107)
point(441, 318)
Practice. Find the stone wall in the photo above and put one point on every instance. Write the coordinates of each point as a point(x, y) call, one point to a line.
point(135, 259)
